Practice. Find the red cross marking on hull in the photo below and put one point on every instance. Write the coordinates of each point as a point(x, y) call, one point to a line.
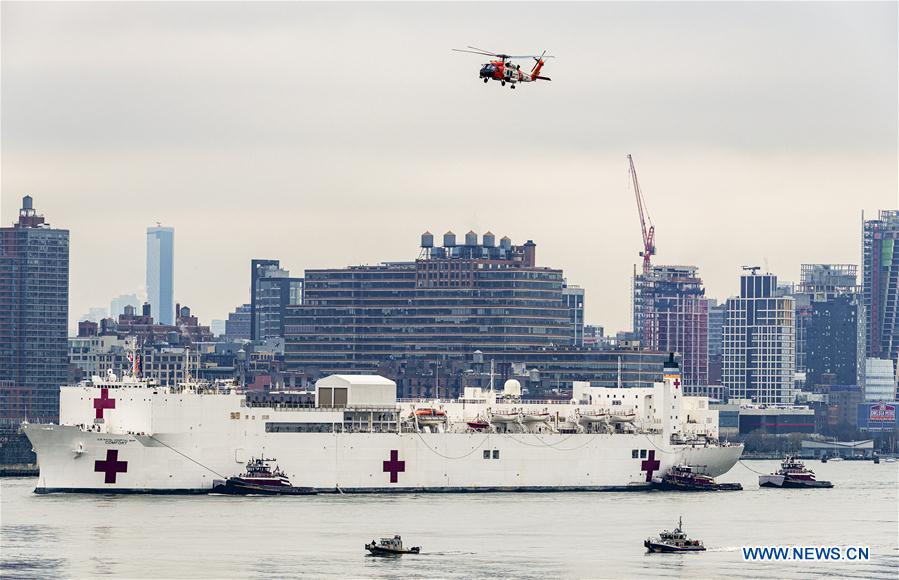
point(394, 466)
point(111, 466)
point(650, 465)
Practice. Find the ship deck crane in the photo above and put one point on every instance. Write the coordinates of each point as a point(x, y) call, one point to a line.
point(649, 234)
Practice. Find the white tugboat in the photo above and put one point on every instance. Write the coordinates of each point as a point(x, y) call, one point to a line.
point(792, 473)
point(674, 541)
point(390, 547)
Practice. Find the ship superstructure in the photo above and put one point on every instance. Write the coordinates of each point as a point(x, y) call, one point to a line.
point(127, 435)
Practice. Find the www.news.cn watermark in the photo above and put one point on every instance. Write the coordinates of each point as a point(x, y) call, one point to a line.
point(806, 553)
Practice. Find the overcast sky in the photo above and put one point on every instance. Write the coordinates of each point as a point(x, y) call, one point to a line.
point(330, 135)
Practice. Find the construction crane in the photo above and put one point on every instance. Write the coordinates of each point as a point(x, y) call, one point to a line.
point(649, 234)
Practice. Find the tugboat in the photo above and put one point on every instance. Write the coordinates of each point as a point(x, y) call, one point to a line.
point(792, 473)
point(259, 479)
point(390, 547)
point(676, 541)
point(689, 478)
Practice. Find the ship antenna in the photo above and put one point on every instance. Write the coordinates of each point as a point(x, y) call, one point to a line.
point(492, 374)
point(187, 364)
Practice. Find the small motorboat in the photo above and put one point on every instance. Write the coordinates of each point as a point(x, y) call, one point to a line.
point(690, 478)
point(792, 473)
point(259, 479)
point(390, 547)
point(836, 458)
point(675, 541)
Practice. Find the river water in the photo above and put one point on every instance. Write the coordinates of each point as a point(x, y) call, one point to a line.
point(522, 535)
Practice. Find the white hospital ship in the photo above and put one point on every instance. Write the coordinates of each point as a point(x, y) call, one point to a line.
point(128, 435)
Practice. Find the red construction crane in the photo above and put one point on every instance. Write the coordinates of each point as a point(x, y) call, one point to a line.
point(649, 235)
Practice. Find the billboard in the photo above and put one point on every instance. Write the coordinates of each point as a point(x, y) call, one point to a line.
point(882, 413)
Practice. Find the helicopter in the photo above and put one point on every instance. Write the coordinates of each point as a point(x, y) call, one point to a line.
point(504, 71)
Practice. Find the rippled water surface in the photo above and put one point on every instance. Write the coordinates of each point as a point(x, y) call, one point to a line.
point(523, 535)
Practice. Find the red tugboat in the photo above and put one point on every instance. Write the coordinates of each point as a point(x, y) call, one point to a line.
point(260, 479)
point(690, 478)
point(792, 473)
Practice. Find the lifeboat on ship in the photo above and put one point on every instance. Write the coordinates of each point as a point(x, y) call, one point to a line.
point(505, 417)
point(622, 417)
point(597, 417)
point(478, 425)
point(535, 417)
point(429, 416)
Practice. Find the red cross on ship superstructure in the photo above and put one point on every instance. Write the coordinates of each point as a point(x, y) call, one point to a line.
point(103, 402)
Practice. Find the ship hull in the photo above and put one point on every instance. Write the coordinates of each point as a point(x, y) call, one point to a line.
point(72, 459)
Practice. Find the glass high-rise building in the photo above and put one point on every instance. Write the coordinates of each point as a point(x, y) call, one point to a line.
point(161, 273)
point(272, 290)
point(758, 351)
point(34, 310)
point(880, 256)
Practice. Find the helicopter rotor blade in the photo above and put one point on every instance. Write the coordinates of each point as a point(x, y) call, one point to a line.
point(538, 61)
point(490, 52)
point(474, 52)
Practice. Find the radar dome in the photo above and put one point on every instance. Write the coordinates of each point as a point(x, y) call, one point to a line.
point(512, 388)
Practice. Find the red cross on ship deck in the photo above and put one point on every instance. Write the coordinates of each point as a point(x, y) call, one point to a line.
point(103, 402)
point(394, 466)
point(650, 465)
point(111, 466)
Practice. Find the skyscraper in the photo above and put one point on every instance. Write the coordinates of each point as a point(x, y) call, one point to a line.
point(717, 317)
point(34, 310)
point(881, 286)
point(671, 314)
point(161, 273)
point(758, 356)
point(830, 325)
point(272, 290)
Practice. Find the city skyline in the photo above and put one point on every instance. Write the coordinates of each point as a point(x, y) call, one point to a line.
point(739, 155)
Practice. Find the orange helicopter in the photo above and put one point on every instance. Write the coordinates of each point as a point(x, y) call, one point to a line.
point(506, 72)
